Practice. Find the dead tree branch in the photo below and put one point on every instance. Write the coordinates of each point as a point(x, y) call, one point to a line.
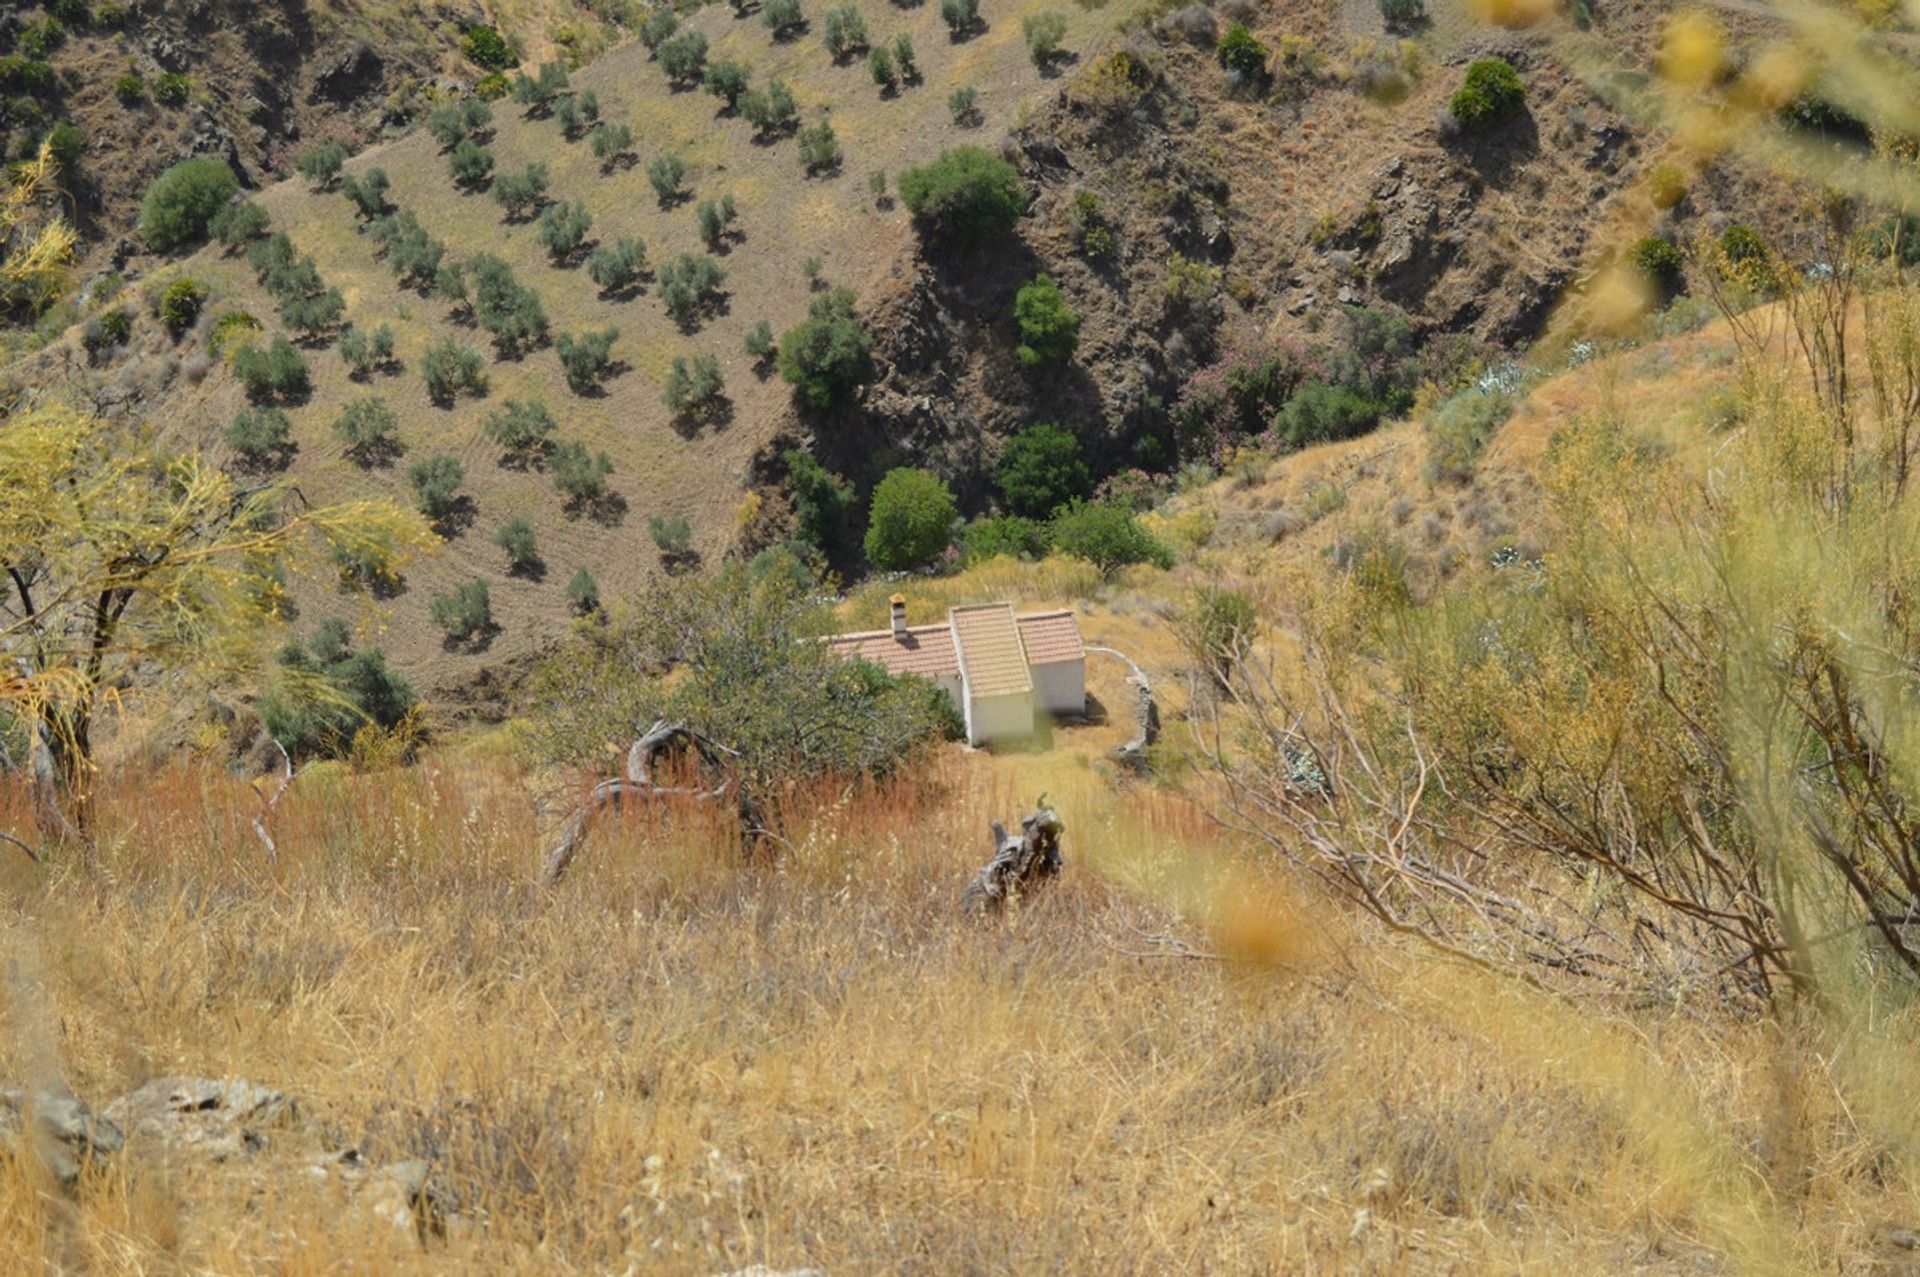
point(269, 799)
point(1021, 862)
point(1133, 754)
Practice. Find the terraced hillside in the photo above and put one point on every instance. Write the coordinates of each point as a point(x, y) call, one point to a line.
point(660, 467)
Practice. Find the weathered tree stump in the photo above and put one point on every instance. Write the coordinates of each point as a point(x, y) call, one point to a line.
point(1021, 862)
point(638, 783)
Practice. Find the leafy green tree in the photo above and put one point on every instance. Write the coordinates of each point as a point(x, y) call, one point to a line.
point(964, 105)
point(326, 692)
point(450, 368)
point(672, 535)
point(368, 193)
point(366, 351)
point(695, 388)
point(1242, 54)
point(369, 430)
point(829, 356)
point(521, 193)
point(612, 145)
point(1490, 94)
point(183, 200)
point(880, 67)
point(471, 165)
point(822, 502)
point(563, 229)
point(436, 485)
point(726, 80)
point(1049, 326)
point(464, 613)
point(658, 28)
point(616, 267)
point(509, 311)
point(583, 593)
point(523, 429)
point(1044, 31)
point(904, 60)
point(965, 197)
point(1041, 470)
point(684, 58)
point(760, 344)
point(1320, 411)
point(771, 111)
point(314, 315)
point(961, 17)
point(459, 122)
point(487, 48)
point(1107, 536)
point(911, 520)
point(238, 225)
point(688, 286)
point(586, 358)
point(845, 31)
point(665, 175)
point(260, 437)
point(782, 17)
point(579, 476)
point(1004, 536)
point(539, 92)
point(275, 373)
point(321, 164)
point(577, 112)
point(516, 539)
point(716, 218)
point(819, 149)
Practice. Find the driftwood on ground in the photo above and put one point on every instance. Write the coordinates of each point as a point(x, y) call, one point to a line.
point(1021, 861)
point(638, 782)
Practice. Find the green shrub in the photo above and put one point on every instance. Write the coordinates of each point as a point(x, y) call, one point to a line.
point(130, 88)
point(1490, 94)
point(260, 437)
point(782, 17)
point(276, 372)
point(516, 539)
point(524, 430)
point(615, 267)
point(578, 475)
point(459, 122)
point(1242, 53)
point(1043, 32)
point(233, 329)
point(357, 690)
point(237, 225)
point(658, 28)
point(577, 113)
point(464, 613)
point(413, 255)
point(771, 111)
point(1218, 627)
point(367, 193)
point(1107, 536)
point(911, 520)
point(470, 165)
point(965, 197)
point(1041, 470)
point(492, 86)
point(1087, 224)
point(1402, 13)
point(694, 388)
point(819, 149)
point(715, 219)
point(38, 39)
point(539, 91)
point(314, 314)
point(672, 535)
point(1319, 411)
point(829, 356)
point(183, 200)
point(684, 58)
point(964, 105)
point(106, 330)
point(665, 175)
point(1460, 428)
point(368, 430)
point(436, 485)
point(726, 80)
point(321, 164)
point(365, 352)
point(563, 229)
point(1005, 536)
point(521, 193)
point(688, 286)
point(822, 502)
point(66, 144)
point(75, 13)
point(961, 16)
point(759, 344)
point(904, 58)
point(510, 313)
point(1659, 261)
point(1049, 326)
point(611, 144)
point(583, 593)
point(172, 88)
point(487, 48)
point(21, 74)
point(586, 358)
point(844, 31)
point(450, 368)
point(180, 304)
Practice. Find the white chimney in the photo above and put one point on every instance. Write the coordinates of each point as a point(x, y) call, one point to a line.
point(899, 602)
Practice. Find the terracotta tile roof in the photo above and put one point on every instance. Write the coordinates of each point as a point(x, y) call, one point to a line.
point(926, 650)
point(991, 654)
point(1051, 638)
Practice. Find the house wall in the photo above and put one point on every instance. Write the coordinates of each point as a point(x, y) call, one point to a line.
point(1061, 688)
point(991, 718)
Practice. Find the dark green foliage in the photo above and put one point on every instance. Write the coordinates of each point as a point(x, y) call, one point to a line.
point(106, 330)
point(367, 193)
point(1043, 32)
point(1004, 536)
point(964, 105)
point(961, 16)
point(413, 255)
point(829, 356)
point(845, 31)
point(237, 225)
point(487, 48)
point(1490, 94)
point(183, 200)
point(369, 430)
point(515, 538)
point(911, 520)
point(1087, 223)
point(665, 175)
point(715, 219)
point(611, 143)
point(771, 111)
point(464, 613)
point(577, 113)
point(760, 343)
point(904, 60)
point(658, 28)
point(172, 88)
point(539, 91)
point(1398, 14)
point(1659, 260)
point(523, 430)
point(616, 267)
point(672, 535)
point(436, 485)
point(321, 164)
point(965, 197)
point(521, 193)
point(66, 144)
point(259, 437)
point(822, 502)
point(315, 314)
point(578, 475)
point(1320, 411)
point(470, 165)
point(355, 689)
point(364, 352)
point(694, 388)
point(510, 313)
point(38, 39)
point(180, 304)
point(782, 17)
point(880, 67)
point(22, 74)
point(726, 80)
point(459, 122)
point(688, 285)
point(450, 367)
point(234, 328)
point(492, 86)
point(1107, 536)
point(1049, 326)
point(75, 13)
point(684, 58)
point(1242, 53)
point(563, 229)
point(1041, 470)
point(273, 373)
point(130, 88)
point(586, 358)
point(819, 149)
point(583, 593)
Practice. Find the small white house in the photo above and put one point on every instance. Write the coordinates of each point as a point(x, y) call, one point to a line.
point(1000, 668)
